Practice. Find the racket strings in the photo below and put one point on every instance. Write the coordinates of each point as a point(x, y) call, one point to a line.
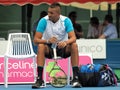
point(57, 76)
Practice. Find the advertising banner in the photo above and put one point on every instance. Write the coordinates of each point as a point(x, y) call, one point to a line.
point(21, 71)
point(95, 46)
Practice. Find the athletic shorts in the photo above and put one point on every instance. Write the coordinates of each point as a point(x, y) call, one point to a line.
point(60, 52)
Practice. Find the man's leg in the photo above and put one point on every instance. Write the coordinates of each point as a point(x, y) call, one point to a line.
point(73, 49)
point(42, 49)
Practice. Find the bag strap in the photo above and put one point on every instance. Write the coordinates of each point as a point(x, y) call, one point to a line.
point(113, 74)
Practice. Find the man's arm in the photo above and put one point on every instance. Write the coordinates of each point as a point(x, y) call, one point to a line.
point(71, 37)
point(102, 36)
point(38, 38)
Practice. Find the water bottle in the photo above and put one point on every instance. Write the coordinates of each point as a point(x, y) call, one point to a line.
point(53, 46)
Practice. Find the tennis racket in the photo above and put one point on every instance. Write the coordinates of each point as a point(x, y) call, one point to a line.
point(57, 76)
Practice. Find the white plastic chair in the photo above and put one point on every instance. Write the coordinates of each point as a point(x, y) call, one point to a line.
point(68, 73)
point(19, 47)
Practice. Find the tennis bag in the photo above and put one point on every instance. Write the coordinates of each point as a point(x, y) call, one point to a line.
point(96, 75)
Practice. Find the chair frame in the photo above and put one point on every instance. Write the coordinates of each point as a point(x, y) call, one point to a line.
point(10, 52)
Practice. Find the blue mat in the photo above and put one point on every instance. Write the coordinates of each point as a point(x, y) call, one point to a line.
point(28, 87)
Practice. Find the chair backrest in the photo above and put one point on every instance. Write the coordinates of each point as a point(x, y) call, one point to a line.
point(19, 45)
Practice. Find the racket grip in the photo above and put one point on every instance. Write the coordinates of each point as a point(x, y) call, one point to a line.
point(54, 52)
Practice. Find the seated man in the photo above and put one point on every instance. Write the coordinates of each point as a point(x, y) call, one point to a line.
point(110, 31)
point(95, 28)
point(56, 29)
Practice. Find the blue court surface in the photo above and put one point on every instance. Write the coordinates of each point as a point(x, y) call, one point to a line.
point(49, 87)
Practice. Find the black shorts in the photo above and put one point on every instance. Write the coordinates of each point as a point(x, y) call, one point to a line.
point(60, 52)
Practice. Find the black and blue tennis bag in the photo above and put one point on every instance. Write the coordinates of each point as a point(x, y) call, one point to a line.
point(97, 75)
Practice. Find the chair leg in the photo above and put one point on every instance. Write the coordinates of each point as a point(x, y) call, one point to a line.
point(6, 72)
point(44, 74)
point(34, 62)
point(68, 78)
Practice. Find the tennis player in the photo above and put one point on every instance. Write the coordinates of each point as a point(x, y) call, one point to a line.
point(56, 29)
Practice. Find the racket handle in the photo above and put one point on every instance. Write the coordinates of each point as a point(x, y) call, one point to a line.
point(54, 52)
point(53, 45)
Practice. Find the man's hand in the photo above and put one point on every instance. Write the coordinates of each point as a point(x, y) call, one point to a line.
point(53, 40)
point(61, 44)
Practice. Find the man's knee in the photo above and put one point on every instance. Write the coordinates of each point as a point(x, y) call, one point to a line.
point(41, 46)
point(74, 46)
